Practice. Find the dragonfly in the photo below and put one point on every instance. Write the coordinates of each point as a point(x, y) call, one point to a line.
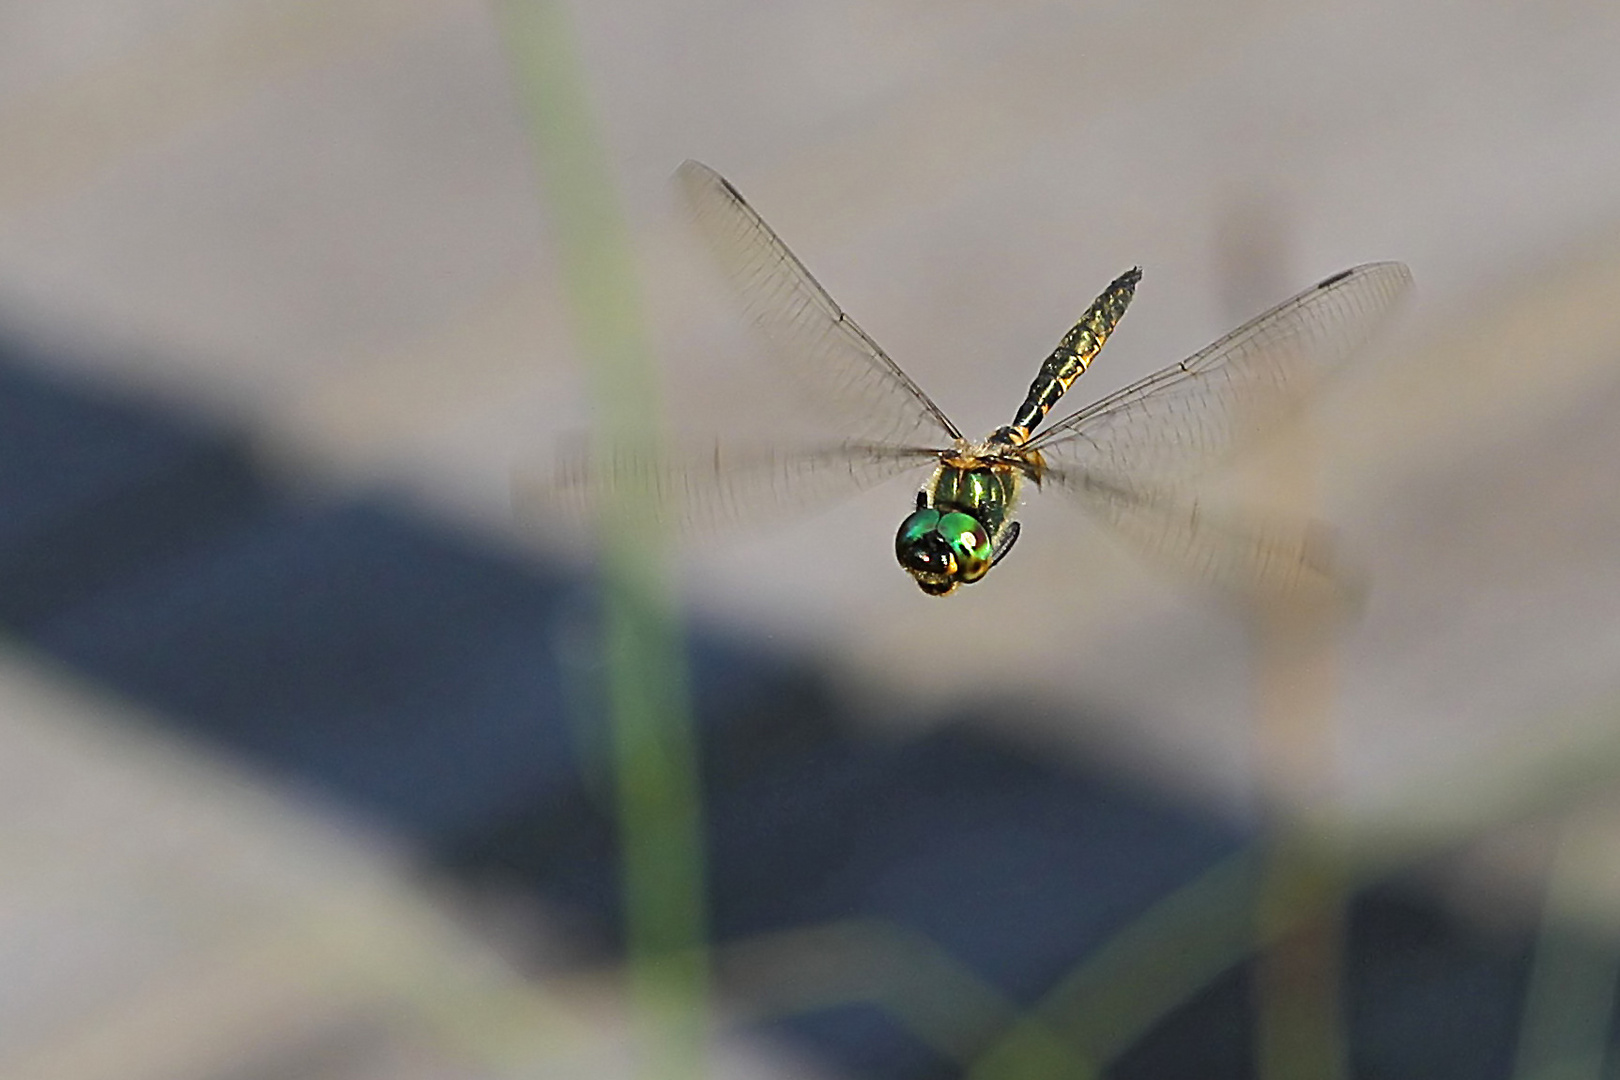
point(1128, 458)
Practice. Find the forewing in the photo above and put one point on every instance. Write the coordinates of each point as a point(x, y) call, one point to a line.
point(1170, 425)
point(711, 491)
point(1250, 555)
point(849, 380)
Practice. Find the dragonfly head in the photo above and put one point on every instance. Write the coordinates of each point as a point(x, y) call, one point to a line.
point(943, 550)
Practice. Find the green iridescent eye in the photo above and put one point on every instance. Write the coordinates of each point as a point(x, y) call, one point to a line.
point(968, 542)
point(924, 552)
point(915, 527)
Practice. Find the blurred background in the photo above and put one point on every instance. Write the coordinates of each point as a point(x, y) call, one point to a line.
point(304, 752)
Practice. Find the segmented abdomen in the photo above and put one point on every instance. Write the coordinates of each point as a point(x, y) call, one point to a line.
point(1072, 356)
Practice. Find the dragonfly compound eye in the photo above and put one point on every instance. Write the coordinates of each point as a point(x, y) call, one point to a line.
point(942, 551)
point(923, 550)
point(969, 544)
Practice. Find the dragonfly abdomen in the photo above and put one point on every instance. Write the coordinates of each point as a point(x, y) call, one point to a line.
point(1071, 357)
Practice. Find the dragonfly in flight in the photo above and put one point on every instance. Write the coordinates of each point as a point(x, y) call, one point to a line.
point(1127, 458)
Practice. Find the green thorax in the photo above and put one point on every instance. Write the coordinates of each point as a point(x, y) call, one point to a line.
point(988, 494)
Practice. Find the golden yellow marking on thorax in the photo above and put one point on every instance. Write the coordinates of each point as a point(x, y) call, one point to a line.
point(1034, 465)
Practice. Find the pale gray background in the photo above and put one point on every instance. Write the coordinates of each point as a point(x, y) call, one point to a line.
point(321, 220)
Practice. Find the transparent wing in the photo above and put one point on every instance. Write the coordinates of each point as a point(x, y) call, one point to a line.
point(1267, 557)
point(711, 491)
point(849, 380)
point(1168, 426)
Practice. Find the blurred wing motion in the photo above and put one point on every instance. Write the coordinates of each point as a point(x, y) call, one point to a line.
point(1248, 555)
point(852, 381)
point(1165, 428)
point(710, 492)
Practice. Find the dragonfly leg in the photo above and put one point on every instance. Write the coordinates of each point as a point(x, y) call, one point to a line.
point(1009, 537)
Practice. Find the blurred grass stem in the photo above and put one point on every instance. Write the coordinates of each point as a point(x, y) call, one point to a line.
point(1569, 1002)
point(1301, 905)
point(656, 781)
